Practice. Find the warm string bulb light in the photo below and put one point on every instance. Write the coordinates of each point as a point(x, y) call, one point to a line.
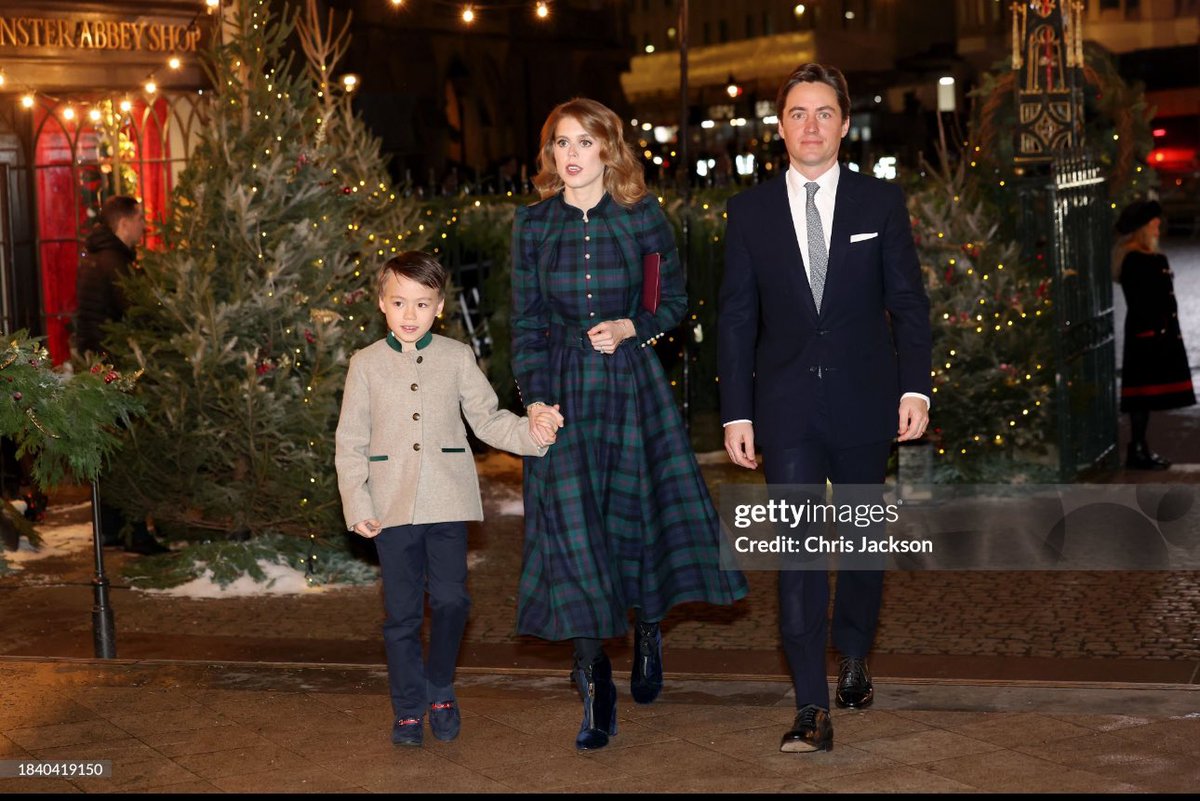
point(468, 15)
point(543, 10)
point(174, 63)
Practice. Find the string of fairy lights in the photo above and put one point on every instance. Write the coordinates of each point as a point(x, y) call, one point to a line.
point(470, 13)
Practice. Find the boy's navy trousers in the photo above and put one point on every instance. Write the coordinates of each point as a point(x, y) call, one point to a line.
point(412, 559)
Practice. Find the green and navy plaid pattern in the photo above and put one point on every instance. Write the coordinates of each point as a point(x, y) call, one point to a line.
point(616, 514)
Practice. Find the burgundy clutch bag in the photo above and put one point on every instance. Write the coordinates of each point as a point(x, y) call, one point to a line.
point(651, 281)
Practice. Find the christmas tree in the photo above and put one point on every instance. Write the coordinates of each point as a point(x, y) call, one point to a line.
point(993, 376)
point(243, 322)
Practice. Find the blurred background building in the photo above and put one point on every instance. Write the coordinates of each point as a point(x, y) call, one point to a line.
point(905, 61)
point(892, 53)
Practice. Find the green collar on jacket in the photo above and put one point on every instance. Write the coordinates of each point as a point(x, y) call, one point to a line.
point(398, 346)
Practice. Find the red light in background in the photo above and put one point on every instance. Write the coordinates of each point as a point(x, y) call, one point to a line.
point(1160, 132)
point(1172, 157)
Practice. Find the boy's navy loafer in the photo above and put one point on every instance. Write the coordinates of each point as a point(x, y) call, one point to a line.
point(408, 731)
point(444, 719)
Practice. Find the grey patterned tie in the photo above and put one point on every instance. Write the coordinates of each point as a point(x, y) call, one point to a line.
point(818, 256)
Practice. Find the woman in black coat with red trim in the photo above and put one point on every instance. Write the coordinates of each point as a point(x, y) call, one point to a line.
point(1155, 374)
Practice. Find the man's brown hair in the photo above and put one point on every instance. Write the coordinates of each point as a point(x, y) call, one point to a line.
point(816, 73)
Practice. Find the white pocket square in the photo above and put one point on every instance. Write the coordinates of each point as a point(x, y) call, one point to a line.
point(862, 237)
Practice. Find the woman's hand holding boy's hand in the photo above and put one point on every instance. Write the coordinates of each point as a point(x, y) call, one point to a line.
point(368, 528)
point(544, 422)
point(606, 336)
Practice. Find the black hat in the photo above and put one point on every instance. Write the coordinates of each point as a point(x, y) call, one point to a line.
point(1137, 214)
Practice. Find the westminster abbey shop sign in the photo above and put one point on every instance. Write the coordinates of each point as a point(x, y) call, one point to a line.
point(60, 47)
point(67, 34)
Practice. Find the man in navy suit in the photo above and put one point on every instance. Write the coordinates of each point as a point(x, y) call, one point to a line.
point(824, 349)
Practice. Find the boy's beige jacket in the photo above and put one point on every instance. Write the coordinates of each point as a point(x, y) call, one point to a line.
point(402, 454)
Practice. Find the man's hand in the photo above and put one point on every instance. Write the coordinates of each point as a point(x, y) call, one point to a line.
point(544, 422)
point(368, 528)
point(914, 417)
point(606, 336)
point(739, 444)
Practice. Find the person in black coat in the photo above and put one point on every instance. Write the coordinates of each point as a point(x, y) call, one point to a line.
point(1154, 374)
point(100, 300)
point(109, 258)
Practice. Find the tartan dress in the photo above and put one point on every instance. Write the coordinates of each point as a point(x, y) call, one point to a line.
point(617, 514)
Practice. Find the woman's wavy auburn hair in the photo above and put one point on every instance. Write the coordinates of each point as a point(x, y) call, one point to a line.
point(623, 177)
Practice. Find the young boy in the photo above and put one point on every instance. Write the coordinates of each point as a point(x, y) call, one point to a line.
point(407, 479)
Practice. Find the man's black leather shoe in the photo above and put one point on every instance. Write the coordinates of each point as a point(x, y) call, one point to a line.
point(854, 688)
point(812, 731)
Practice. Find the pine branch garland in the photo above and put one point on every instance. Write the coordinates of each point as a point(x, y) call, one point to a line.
point(67, 422)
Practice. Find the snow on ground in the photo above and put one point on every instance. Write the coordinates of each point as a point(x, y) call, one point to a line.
point(281, 580)
point(61, 540)
point(56, 541)
point(501, 499)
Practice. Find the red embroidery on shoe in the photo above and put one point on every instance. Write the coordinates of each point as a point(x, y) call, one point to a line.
point(443, 705)
point(408, 722)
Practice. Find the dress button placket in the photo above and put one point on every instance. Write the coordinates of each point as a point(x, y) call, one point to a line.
point(587, 257)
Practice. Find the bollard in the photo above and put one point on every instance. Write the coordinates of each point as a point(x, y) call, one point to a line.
point(104, 635)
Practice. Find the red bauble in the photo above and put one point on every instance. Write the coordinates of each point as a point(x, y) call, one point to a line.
point(345, 190)
point(111, 376)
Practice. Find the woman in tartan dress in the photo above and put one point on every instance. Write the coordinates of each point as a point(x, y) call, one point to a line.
point(617, 514)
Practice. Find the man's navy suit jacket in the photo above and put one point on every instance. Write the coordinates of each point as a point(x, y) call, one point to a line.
point(781, 364)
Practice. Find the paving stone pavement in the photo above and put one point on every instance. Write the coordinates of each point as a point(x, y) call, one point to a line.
point(175, 727)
